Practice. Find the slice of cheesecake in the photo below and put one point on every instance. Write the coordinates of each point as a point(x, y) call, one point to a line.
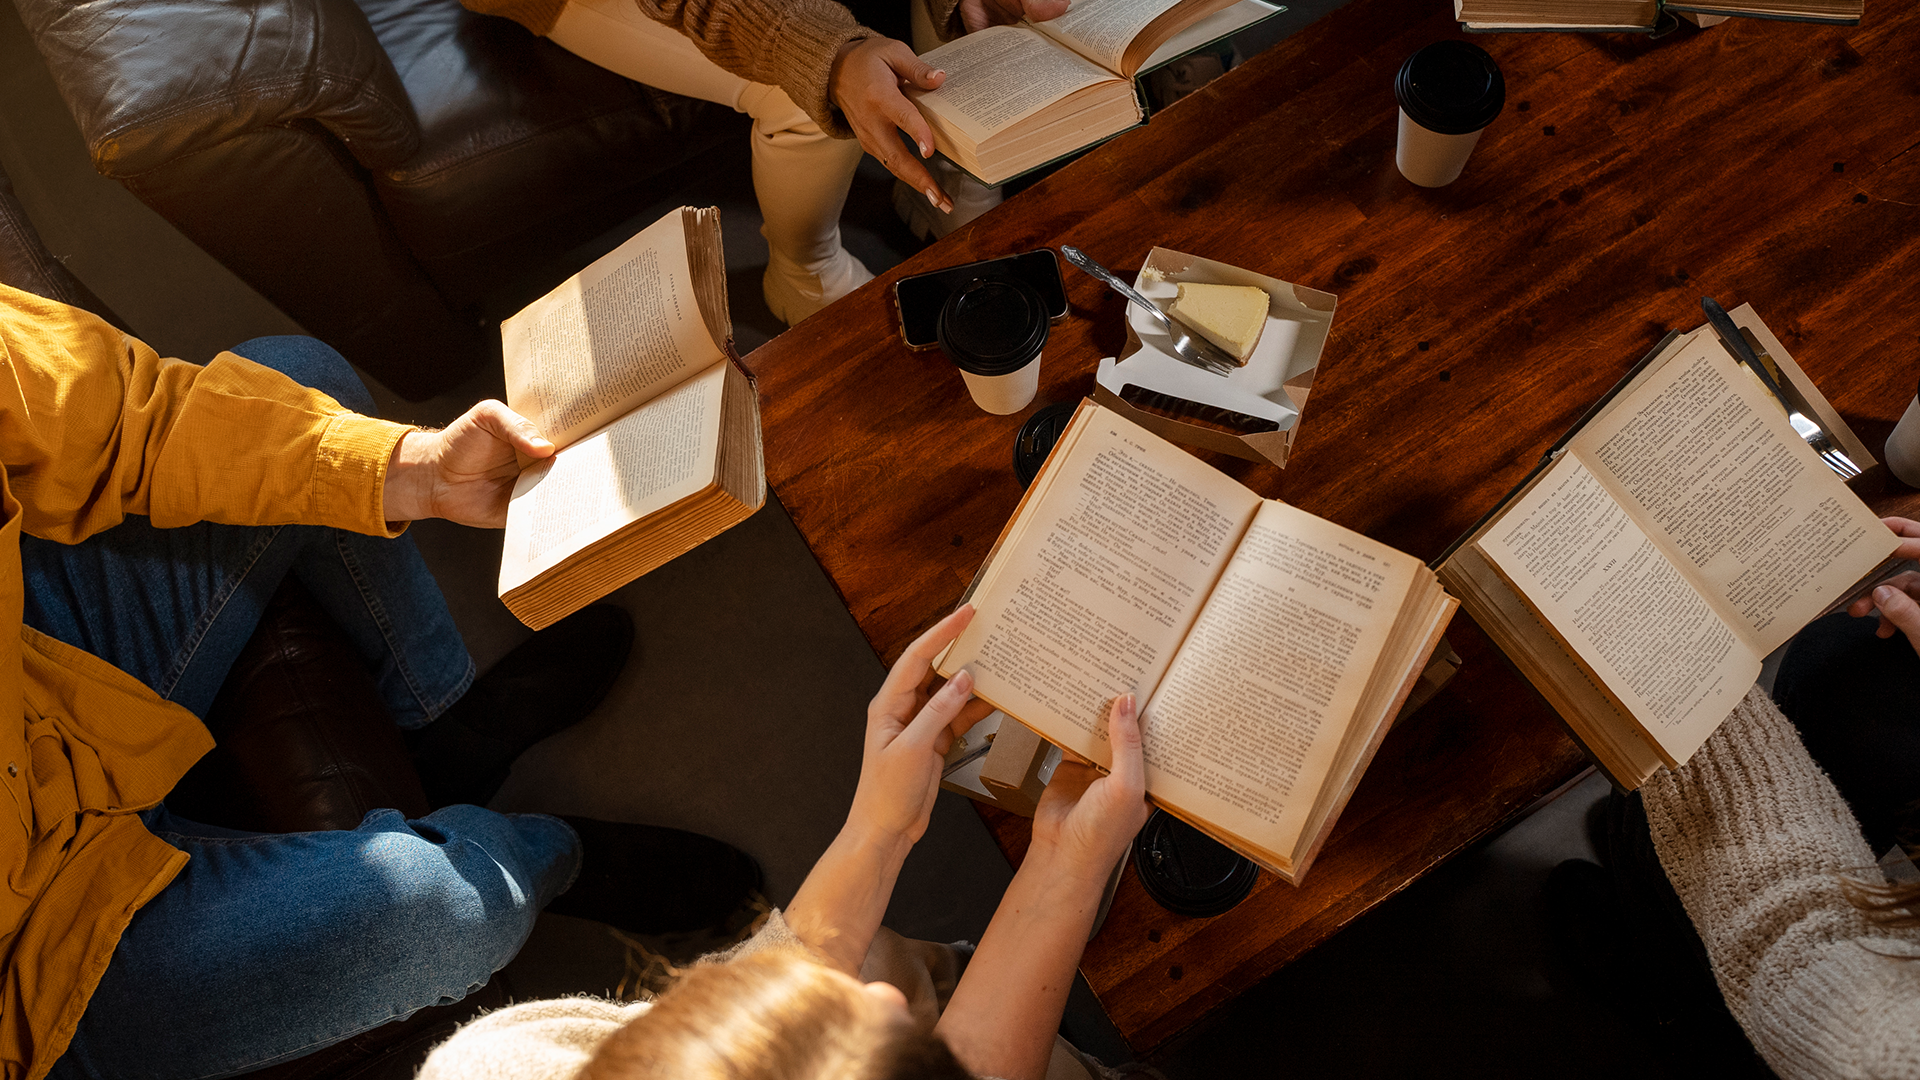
point(1230, 316)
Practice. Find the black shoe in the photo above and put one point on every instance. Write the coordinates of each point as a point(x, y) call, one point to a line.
point(551, 682)
point(651, 880)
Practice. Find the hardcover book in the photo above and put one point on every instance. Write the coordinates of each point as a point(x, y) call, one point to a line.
point(1641, 574)
point(628, 368)
point(1270, 650)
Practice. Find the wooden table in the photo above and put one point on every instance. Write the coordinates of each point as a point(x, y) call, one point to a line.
point(1755, 161)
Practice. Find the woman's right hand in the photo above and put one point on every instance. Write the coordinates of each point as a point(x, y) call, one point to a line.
point(910, 725)
point(980, 14)
point(865, 85)
point(1085, 820)
point(1895, 600)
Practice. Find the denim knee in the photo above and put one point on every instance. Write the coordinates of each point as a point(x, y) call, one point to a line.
point(310, 362)
point(456, 892)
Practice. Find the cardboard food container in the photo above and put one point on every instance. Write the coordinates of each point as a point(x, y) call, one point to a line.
point(1269, 392)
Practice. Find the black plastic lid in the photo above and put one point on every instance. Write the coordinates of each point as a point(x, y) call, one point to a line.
point(1036, 439)
point(1451, 87)
point(1188, 872)
point(991, 326)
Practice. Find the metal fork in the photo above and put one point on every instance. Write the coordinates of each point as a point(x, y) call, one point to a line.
point(1188, 346)
point(1744, 351)
point(1836, 459)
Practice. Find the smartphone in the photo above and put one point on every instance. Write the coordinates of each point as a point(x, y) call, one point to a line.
point(920, 297)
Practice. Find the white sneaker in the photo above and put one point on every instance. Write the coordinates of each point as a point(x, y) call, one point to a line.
point(971, 198)
point(793, 292)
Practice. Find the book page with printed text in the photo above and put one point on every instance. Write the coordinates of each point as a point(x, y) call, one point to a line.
point(1000, 76)
point(1244, 729)
point(1622, 608)
point(1099, 578)
point(1703, 457)
point(623, 330)
point(649, 459)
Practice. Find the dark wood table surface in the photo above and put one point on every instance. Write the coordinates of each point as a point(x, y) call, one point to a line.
point(1763, 162)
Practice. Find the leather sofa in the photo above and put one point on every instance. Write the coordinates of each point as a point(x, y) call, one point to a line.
point(395, 175)
point(304, 742)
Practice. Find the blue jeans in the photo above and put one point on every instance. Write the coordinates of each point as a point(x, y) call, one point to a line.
point(267, 947)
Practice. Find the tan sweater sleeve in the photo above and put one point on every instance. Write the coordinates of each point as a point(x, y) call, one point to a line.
point(1755, 838)
point(785, 43)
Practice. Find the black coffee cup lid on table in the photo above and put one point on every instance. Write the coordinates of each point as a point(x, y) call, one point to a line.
point(1451, 87)
point(991, 326)
point(1188, 872)
point(1037, 437)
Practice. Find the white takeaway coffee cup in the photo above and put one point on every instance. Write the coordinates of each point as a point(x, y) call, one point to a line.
point(1449, 92)
point(1903, 446)
point(993, 330)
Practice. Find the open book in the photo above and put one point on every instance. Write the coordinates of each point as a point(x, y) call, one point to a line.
point(1642, 15)
point(1639, 577)
point(1270, 649)
point(1019, 96)
point(627, 368)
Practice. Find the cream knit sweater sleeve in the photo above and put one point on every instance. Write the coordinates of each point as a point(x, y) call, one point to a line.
point(554, 1039)
point(1754, 837)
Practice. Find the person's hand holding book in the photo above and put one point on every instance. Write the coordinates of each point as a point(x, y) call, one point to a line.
point(865, 85)
point(464, 472)
point(909, 727)
point(1003, 1015)
point(980, 14)
point(1894, 600)
point(1087, 821)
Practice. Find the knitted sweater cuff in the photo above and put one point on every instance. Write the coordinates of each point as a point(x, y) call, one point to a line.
point(1753, 778)
point(799, 54)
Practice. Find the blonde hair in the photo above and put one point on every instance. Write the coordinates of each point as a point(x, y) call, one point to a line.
point(773, 1015)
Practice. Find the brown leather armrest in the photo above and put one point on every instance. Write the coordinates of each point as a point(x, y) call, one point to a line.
point(150, 81)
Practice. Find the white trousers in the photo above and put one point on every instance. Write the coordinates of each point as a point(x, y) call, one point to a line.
point(800, 173)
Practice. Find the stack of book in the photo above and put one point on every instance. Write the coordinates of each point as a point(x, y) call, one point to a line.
point(1641, 16)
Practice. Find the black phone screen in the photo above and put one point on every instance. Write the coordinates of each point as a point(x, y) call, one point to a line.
point(921, 296)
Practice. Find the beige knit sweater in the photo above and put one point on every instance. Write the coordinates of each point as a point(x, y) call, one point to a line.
point(1755, 839)
point(554, 1039)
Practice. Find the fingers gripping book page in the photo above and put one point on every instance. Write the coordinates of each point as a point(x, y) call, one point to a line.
point(1099, 580)
point(651, 458)
point(1120, 34)
point(1705, 457)
point(1628, 614)
point(999, 76)
point(1102, 29)
point(619, 332)
point(1246, 724)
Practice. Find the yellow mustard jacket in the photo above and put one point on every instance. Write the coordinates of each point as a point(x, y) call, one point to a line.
point(94, 425)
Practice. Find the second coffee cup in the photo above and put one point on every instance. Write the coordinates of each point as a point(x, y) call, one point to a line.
point(993, 331)
point(1449, 92)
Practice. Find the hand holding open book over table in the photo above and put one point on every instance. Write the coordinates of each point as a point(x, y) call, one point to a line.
point(1896, 601)
point(1269, 649)
point(1019, 96)
point(627, 368)
point(1640, 576)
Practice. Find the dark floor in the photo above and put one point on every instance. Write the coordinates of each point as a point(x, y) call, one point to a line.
point(742, 714)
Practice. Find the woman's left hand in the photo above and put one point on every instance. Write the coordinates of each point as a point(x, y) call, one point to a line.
point(909, 728)
point(1086, 821)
